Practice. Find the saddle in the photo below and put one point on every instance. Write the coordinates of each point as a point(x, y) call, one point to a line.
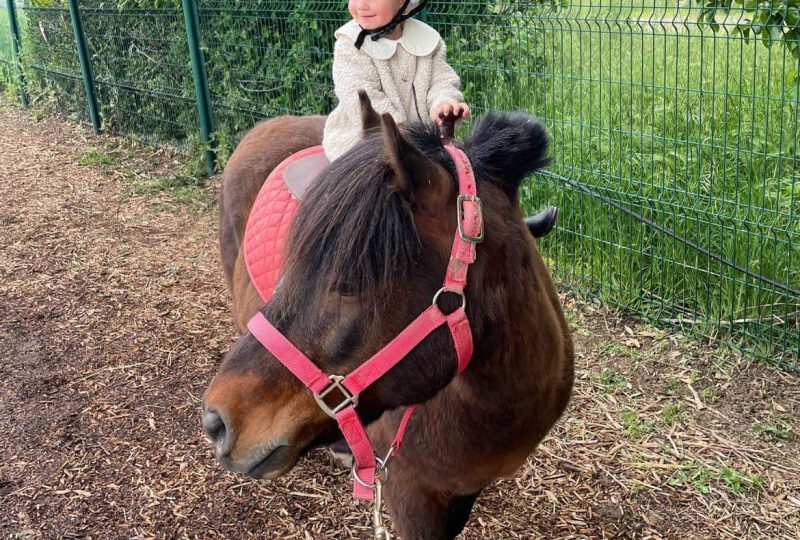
point(272, 215)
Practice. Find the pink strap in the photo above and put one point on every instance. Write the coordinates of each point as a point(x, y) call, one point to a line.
point(463, 252)
point(401, 431)
point(356, 437)
point(289, 355)
point(363, 454)
point(397, 349)
point(466, 178)
point(462, 337)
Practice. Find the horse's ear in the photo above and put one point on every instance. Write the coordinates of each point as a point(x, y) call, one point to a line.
point(506, 147)
point(370, 119)
point(416, 177)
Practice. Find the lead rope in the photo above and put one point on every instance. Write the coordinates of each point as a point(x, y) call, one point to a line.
point(381, 530)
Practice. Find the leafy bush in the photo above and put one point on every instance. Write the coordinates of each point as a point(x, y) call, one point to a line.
point(774, 21)
point(265, 58)
point(262, 57)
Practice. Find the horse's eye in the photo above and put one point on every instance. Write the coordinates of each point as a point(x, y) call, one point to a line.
point(345, 289)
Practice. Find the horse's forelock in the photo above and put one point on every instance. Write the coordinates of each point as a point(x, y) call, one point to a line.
point(352, 234)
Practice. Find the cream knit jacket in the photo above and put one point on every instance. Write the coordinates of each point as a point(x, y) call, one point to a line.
point(406, 78)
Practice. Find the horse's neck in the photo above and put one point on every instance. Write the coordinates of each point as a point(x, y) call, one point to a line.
point(487, 421)
point(515, 356)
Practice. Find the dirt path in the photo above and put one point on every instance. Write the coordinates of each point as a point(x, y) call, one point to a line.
point(113, 316)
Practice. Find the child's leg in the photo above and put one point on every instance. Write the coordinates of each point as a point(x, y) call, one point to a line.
point(543, 222)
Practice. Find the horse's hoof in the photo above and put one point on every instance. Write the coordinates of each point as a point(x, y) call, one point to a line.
point(342, 459)
point(341, 454)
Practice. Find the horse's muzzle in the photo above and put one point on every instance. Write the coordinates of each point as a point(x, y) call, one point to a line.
point(218, 431)
point(265, 461)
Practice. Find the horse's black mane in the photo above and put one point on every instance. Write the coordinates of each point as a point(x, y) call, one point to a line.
point(353, 234)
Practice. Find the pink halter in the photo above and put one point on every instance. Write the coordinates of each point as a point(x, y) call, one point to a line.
point(468, 234)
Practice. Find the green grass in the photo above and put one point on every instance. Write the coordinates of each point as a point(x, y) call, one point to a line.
point(672, 413)
point(622, 350)
point(183, 189)
point(635, 426)
point(709, 395)
point(778, 430)
point(673, 385)
point(701, 477)
point(95, 158)
point(611, 380)
point(183, 186)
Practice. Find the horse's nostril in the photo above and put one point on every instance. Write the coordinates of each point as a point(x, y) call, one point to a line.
point(217, 430)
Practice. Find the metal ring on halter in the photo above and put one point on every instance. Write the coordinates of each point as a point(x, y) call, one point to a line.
point(384, 463)
point(378, 470)
point(446, 290)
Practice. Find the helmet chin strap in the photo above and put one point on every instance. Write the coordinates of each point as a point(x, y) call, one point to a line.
point(390, 27)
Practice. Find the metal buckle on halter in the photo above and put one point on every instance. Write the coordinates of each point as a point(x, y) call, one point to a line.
point(336, 384)
point(460, 207)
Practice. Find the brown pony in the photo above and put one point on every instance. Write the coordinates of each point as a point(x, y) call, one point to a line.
point(366, 254)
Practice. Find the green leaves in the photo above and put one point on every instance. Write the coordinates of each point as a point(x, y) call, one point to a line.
point(774, 21)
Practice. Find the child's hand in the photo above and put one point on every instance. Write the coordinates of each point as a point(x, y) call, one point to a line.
point(440, 111)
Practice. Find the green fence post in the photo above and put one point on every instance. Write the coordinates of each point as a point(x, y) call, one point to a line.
point(202, 92)
point(16, 45)
point(86, 64)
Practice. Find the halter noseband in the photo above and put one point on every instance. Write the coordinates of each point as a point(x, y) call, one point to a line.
point(468, 234)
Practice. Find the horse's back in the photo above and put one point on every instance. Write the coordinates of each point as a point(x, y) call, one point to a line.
point(260, 151)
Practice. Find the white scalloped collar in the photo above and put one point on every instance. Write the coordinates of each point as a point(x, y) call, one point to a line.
point(418, 39)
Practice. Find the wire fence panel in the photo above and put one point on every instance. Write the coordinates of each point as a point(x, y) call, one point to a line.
point(142, 71)
point(677, 114)
point(692, 128)
point(50, 57)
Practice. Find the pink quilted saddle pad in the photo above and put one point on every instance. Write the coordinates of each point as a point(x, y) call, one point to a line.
point(272, 214)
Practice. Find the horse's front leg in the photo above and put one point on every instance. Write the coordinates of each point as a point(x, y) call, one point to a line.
point(420, 505)
point(416, 515)
point(421, 514)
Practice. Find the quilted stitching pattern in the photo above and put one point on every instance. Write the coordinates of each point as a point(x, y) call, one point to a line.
point(268, 228)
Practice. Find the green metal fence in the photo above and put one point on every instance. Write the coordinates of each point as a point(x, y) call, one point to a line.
point(50, 58)
point(6, 58)
point(698, 131)
point(668, 111)
point(142, 71)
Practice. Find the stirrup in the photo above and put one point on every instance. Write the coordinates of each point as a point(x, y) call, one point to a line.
point(543, 222)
